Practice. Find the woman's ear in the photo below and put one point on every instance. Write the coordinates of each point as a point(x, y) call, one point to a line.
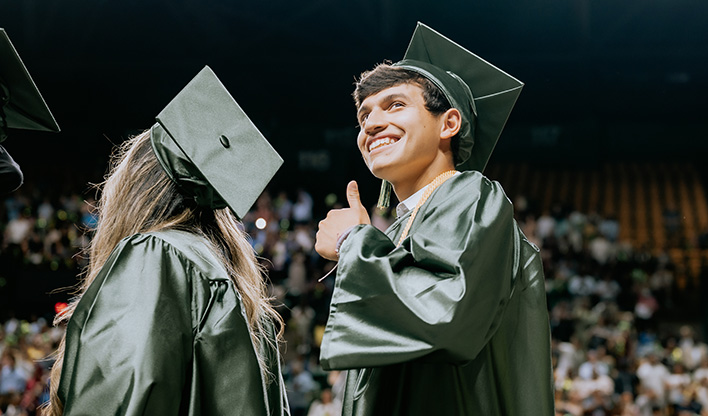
point(451, 123)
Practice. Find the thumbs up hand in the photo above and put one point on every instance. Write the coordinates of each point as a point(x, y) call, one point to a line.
point(339, 221)
point(355, 203)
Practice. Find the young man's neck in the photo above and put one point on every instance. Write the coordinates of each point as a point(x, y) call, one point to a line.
point(406, 187)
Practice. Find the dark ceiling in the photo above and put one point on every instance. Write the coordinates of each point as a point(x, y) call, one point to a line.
point(107, 68)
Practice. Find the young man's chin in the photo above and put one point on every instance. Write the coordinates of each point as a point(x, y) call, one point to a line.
point(381, 173)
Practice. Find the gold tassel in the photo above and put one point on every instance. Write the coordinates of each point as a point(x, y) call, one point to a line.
point(384, 195)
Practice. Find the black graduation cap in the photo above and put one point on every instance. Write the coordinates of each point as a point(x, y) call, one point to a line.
point(483, 93)
point(21, 104)
point(210, 148)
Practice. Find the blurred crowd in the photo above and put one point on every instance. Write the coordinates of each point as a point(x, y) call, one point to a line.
point(45, 232)
point(25, 359)
point(618, 348)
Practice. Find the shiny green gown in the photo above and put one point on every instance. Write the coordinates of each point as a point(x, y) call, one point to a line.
point(161, 331)
point(453, 321)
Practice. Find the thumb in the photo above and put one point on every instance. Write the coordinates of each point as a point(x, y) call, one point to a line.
point(353, 195)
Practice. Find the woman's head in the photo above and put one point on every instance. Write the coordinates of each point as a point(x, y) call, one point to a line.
point(139, 197)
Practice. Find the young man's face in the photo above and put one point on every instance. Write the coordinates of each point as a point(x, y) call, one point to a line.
point(398, 138)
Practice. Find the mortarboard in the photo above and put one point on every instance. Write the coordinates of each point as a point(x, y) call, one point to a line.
point(21, 104)
point(482, 93)
point(210, 148)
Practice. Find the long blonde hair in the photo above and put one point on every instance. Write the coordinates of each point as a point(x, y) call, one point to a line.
point(138, 197)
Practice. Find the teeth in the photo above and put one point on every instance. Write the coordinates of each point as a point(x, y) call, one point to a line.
point(380, 142)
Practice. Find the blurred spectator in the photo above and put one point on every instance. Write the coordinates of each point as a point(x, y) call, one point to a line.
point(677, 383)
point(701, 386)
point(693, 353)
point(545, 226)
point(301, 324)
point(302, 210)
point(300, 387)
point(592, 367)
point(701, 373)
point(296, 282)
point(89, 216)
point(337, 379)
point(326, 405)
point(609, 228)
point(626, 405)
point(601, 249)
point(652, 375)
point(569, 404)
point(13, 378)
point(283, 206)
point(645, 308)
point(45, 211)
point(18, 229)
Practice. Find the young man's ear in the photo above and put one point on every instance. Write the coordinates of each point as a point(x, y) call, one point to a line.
point(451, 123)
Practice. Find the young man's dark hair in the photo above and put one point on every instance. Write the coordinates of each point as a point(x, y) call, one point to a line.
point(385, 76)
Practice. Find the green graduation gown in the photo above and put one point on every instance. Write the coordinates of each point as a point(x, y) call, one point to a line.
point(162, 331)
point(451, 322)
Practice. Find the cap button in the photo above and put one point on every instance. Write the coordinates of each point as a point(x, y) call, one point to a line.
point(224, 141)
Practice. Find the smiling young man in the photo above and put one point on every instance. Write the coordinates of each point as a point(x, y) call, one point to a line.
point(445, 312)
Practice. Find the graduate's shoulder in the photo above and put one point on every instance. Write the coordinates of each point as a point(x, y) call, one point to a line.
point(471, 187)
point(193, 251)
point(143, 272)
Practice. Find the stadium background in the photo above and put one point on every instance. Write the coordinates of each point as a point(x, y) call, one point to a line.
point(611, 126)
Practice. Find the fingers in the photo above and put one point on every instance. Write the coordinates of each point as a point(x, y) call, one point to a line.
point(325, 243)
point(353, 195)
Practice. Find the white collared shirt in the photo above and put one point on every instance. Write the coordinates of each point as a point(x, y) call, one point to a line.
point(409, 203)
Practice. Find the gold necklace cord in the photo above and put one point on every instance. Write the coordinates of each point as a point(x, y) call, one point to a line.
point(439, 180)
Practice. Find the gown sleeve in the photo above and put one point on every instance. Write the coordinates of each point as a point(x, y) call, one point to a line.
point(128, 343)
point(440, 295)
point(10, 174)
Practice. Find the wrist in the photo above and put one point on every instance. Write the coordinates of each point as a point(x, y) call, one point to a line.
point(343, 236)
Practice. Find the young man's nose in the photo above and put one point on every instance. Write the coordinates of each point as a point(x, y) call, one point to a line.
point(375, 122)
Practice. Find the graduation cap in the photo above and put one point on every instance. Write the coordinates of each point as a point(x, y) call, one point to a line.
point(483, 93)
point(21, 104)
point(210, 148)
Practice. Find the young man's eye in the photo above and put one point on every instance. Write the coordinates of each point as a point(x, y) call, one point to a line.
point(396, 104)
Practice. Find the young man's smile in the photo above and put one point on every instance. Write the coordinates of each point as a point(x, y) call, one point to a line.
point(378, 142)
point(397, 131)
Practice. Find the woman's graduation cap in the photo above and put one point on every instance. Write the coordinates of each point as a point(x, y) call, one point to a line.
point(21, 104)
point(210, 148)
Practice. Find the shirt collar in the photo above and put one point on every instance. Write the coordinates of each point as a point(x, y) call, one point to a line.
point(409, 203)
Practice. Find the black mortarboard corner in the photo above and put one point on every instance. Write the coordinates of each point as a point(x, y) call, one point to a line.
point(482, 93)
point(210, 148)
point(21, 104)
